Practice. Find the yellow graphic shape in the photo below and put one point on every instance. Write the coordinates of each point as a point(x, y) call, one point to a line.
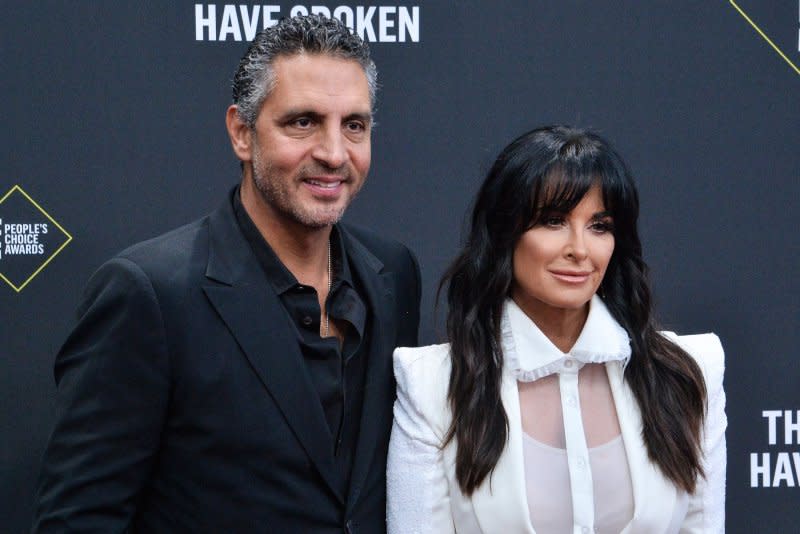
point(764, 35)
point(18, 189)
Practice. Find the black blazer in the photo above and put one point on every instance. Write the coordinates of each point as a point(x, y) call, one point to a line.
point(185, 405)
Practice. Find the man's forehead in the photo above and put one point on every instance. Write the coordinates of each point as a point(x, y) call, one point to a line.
point(320, 78)
point(319, 68)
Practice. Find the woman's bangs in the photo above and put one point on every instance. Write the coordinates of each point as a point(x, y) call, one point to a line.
point(560, 190)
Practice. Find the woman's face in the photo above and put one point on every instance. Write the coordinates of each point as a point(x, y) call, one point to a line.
point(560, 262)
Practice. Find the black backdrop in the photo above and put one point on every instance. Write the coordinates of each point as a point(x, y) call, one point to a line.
point(113, 129)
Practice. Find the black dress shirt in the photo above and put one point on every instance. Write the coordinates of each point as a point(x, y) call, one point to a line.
point(336, 371)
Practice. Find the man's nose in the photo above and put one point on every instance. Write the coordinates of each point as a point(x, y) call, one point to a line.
point(331, 147)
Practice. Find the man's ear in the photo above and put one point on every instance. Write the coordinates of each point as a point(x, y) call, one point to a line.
point(240, 134)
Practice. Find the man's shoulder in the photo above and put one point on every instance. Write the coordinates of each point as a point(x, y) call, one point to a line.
point(389, 251)
point(171, 249)
point(167, 263)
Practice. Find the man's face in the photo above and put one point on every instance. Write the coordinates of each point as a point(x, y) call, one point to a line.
point(311, 144)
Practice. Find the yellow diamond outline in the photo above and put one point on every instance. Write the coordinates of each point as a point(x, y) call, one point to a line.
point(19, 189)
point(764, 35)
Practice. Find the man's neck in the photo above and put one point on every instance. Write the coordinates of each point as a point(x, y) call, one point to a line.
point(302, 249)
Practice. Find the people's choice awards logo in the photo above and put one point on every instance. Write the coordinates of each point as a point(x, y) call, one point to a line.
point(382, 24)
point(29, 238)
point(750, 13)
point(779, 467)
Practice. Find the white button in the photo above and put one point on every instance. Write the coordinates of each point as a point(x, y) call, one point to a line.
point(568, 364)
point(585, 530)
point(581, 463)
point(571, 400)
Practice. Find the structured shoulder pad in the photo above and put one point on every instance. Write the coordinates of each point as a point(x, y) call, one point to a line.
point(422, 376)
point(707, 351)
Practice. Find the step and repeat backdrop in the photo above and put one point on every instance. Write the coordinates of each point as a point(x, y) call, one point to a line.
point(113, 132)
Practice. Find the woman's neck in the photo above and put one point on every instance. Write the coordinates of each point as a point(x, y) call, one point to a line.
point(562, 326)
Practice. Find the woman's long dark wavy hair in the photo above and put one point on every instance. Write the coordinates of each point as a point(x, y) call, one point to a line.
point(549, 170)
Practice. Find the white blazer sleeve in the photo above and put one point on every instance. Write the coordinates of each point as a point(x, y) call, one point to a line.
point(418, 499)
point(706, 513)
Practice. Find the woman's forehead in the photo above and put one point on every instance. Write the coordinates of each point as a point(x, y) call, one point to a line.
point(562, 190)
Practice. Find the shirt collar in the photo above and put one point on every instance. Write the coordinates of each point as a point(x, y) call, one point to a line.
point(279, 276)
point(530, 355)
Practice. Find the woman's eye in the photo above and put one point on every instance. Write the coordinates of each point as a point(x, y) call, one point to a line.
point(602, 227)
point(553, 220)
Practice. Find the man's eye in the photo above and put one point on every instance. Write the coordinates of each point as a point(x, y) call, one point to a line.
point(302, 122)
point(356, 126)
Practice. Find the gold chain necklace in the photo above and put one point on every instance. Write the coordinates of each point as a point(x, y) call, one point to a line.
point(330, 284)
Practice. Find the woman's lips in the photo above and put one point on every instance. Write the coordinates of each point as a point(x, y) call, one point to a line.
point(572, 277)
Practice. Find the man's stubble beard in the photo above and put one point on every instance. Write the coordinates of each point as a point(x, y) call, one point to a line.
point(276, 191)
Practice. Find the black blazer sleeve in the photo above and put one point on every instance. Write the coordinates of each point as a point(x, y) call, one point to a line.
point(400, 260)
point(113, 380)
point(408, 315)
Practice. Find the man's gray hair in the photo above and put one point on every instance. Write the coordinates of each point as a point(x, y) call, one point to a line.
point(313, 34)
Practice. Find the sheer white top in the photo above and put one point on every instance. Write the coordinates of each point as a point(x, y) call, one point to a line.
point(568, 410)
point(423, 496)
point(548, 487)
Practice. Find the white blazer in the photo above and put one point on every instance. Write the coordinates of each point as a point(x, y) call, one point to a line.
point(423, 496)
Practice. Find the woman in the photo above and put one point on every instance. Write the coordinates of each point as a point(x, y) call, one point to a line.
point(557, 406)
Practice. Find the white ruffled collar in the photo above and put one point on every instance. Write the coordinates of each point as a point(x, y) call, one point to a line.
point(530, 355)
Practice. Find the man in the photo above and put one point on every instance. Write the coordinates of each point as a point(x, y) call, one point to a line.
point(234, 375)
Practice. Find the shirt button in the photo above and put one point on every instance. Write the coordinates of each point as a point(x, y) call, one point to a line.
point(585, 530)
point(571, 401)
point(307, 320)
point(568, 364)
point(581, 463)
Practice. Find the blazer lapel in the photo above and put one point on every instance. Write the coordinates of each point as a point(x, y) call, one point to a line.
point(501, 503)
point(256, 318)
point(654, 497)
point(379, 388)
